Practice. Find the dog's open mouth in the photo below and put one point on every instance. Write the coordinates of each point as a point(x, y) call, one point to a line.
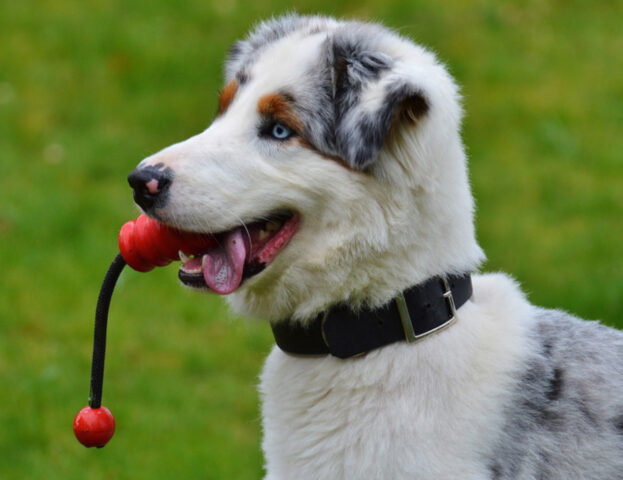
point(239, 253)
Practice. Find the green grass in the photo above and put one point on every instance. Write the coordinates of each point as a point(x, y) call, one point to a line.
point(87, 89)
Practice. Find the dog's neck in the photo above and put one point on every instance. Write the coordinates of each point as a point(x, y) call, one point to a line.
point(300, 294)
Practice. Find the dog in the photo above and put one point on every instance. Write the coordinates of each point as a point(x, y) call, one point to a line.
point(334, 181)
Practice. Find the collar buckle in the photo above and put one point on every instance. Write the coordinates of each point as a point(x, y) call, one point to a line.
point(405, 317)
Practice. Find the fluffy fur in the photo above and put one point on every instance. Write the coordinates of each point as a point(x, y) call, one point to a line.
point(377, 171)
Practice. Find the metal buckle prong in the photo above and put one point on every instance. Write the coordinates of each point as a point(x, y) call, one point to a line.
point(447, 294)
point(405, 318)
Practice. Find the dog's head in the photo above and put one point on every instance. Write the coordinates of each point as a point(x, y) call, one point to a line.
point(333, 171)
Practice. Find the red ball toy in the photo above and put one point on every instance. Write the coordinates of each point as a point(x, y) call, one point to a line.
point(144, 243)
point(94, 427)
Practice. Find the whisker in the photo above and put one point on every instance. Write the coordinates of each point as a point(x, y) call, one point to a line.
point(246, 229)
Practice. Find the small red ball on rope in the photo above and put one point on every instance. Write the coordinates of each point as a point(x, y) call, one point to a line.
point(94, 427)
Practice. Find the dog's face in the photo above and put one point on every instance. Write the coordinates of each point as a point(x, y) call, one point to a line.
point(318, 170)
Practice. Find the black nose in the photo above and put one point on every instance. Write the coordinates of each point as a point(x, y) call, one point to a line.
point(151, 186)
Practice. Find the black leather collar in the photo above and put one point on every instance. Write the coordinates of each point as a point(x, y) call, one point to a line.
point(411, 315)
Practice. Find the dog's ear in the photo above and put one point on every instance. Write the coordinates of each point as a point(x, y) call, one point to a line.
point(369, 98)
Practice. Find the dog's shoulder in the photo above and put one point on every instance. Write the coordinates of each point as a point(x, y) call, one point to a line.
point(567, 407)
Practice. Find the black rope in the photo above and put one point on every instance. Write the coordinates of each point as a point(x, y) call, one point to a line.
point(99, 337)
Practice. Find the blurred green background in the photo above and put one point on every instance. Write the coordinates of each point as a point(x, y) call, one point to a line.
point(87, 89)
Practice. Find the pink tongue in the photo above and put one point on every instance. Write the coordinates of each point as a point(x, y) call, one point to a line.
point(223, 265)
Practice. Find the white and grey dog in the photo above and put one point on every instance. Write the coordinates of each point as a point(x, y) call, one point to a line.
point(334, 180)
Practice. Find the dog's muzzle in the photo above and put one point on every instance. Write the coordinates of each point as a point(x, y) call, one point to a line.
point(151, 185)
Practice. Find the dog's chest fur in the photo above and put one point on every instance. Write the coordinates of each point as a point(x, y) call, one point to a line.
point(431, 408)
point(500, 395)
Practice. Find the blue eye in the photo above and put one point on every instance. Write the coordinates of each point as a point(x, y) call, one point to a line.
point(281, 132)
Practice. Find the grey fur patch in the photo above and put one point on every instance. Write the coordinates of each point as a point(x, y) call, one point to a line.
point(359, 142)
point(559, 422)
point(555, 385)
point(329, 100)
point(496, 471)
point(243, 53)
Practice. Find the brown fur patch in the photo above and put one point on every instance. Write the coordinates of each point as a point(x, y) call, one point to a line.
point(227, 96)
point(279, 106)
point(340, 161)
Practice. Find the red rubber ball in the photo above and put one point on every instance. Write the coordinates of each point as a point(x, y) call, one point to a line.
point(94, 427)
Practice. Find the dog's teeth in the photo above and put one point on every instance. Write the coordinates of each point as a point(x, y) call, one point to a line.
point(262, 235)
point(272, 226)
point(183, 257)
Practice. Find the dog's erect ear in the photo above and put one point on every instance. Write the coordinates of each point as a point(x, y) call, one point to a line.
point(369, 98)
